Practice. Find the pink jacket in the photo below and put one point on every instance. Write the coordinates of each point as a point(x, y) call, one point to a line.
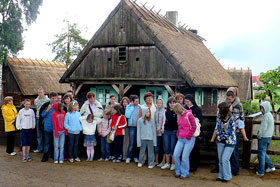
point(184, 129)
point(103, 127)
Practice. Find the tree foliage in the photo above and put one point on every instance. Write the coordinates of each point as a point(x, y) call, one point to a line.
point(13, 13)
point(68, 44)
point(271, 83)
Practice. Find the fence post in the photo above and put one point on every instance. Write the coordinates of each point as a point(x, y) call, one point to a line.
point(247, 145)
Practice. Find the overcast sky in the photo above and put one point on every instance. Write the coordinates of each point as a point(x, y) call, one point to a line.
point(240, 33)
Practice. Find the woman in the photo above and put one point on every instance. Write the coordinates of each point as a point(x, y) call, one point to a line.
point(190, 104)
point(91, 106)
point(124, 102)
point(9, 112)
point(186, 140)
point(226, 140)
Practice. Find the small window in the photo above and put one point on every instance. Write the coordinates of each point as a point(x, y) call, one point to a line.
point(122, 54)
point(214, 97)
point(199, 97)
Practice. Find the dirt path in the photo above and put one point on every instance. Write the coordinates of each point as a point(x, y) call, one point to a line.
point(14, 172)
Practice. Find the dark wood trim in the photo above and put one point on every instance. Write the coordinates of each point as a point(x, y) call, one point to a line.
point(170, 91)
point(78, 88)
point(116, 88)
point(127, 88)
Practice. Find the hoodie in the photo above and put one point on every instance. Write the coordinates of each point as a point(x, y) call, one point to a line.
point(72, 123)
point(146, 131)
point(58, 120)
point(160, 119)
point(132, 112)
point(186, 125)
point(25, 119)
point(9, 113)
point(267, 125)
point(96, 108)
point(89, 128)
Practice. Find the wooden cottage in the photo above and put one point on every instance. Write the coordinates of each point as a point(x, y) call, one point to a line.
point(243, 78)
point(137, 50)
point(22, 77)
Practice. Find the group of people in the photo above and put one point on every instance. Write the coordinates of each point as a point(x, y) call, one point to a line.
point(125, 130)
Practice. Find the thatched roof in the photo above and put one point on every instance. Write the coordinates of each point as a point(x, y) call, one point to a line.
point(33, 74)
point(183, 49)
point(244, 81)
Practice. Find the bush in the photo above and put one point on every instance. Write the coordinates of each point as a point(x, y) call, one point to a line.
point(250, 108)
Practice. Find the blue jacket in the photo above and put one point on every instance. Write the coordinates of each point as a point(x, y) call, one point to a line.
point(129, 114)
point(47, 116)
point(226, 130)
point(72, 123)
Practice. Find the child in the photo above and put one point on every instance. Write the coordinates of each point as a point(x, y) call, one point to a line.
point(25, 123)
point(146, 137)
point(89, 126)
point(118, 124)
point(226, 140)
point(59, 132)
point(159, 122)
point(73, 125)
point(264, 134)
point(104, 129)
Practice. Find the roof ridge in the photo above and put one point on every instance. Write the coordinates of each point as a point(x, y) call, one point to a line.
point(35, 62)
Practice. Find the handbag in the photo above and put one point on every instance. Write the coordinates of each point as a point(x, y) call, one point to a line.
point(113, 132)
point(198, 125)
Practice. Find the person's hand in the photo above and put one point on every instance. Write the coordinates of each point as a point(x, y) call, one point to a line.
point(246, 139)
point(49, 107)
point(114, 128)
point(218, 138)
point(259, 137)
point(212, 140)
point(231, 108)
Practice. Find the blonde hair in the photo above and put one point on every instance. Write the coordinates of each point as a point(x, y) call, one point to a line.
point(7, 99)
point(178, 109)
point(71, 106)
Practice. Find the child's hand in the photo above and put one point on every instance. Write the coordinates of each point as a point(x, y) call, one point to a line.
point(49, 107)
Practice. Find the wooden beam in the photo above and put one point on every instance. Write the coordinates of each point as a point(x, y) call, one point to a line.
point(78, 89)
point(127, 88)
point(116, 88)
point(170, 91)
point(121, 91)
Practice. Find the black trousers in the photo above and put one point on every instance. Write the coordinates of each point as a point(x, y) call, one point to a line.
point(195, 155)
point(10, 141)
point(118, 146)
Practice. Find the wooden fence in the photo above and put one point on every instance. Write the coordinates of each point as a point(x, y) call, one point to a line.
point(250, 122)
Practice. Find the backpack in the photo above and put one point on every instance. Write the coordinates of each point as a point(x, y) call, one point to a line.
point(198, 125)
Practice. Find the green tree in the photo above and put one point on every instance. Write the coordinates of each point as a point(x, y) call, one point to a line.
point(13, 13)
point(68, 44)
point(271, 83)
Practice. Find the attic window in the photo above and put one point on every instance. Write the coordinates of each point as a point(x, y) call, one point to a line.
point(109, 59)
point(122, 54)
point(137, 58)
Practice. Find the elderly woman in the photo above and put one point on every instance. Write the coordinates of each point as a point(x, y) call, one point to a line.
point(9, 112)
point(91, 106)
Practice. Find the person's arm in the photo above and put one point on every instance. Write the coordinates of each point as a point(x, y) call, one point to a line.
point(129, 111)
point(99, 111)
point(140, 112)
point(83, 110)
point(263, 127)
point(138, 137)
point(213, 136)
point(33, 120)
point(154, 133)
point(193, 125)
point(122, 123)
point(18, 125)
point(243, 132)
point(9, 118)
point(66, 122)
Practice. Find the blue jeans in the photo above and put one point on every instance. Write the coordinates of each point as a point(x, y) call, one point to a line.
point(132, 147)
point(39, 136)
point(169, 142)
point(59, 146)
point(73, 145)
point(224, 154)
point(151, 156)
point(47, 145)
point(105, 148)
point(159, 140)
point(234, 160)
point(183, 147)
point(263, 158)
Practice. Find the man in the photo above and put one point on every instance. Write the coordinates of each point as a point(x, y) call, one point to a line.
point(39, 101)
point(46, 112)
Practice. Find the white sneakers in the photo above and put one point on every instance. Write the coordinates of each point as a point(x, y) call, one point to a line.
point(56, 162)
point(12, 154)
point(268, 170)
point(127, 160)
point(139, 165)
point(165, 166)
point(172, 167)
point(258, 174)
point(151, 167)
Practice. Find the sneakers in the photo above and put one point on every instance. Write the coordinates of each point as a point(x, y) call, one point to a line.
point(165, 166)
point(268, 170)
point(136, 160)
point(100, 159)
point(160, 165)
point(29, 159)
point(37, 151)
point(12, 154)
point(139, 165)
point(45, 158)
point(118, 161)
point(71, 160)
point(151, 167)
point(77, 159)
point(24, 160)
point(107, 159)
point(114, 161)
point(56, 162)
point(61, 162)
point(258, 174)
point(127, 160)
point(172, 167)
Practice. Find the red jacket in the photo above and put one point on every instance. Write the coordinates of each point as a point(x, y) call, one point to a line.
point(58, 120)
point(121, 126)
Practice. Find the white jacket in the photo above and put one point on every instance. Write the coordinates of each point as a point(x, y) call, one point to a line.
point(89, 128)
point(98, 111)
point(25, 119)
